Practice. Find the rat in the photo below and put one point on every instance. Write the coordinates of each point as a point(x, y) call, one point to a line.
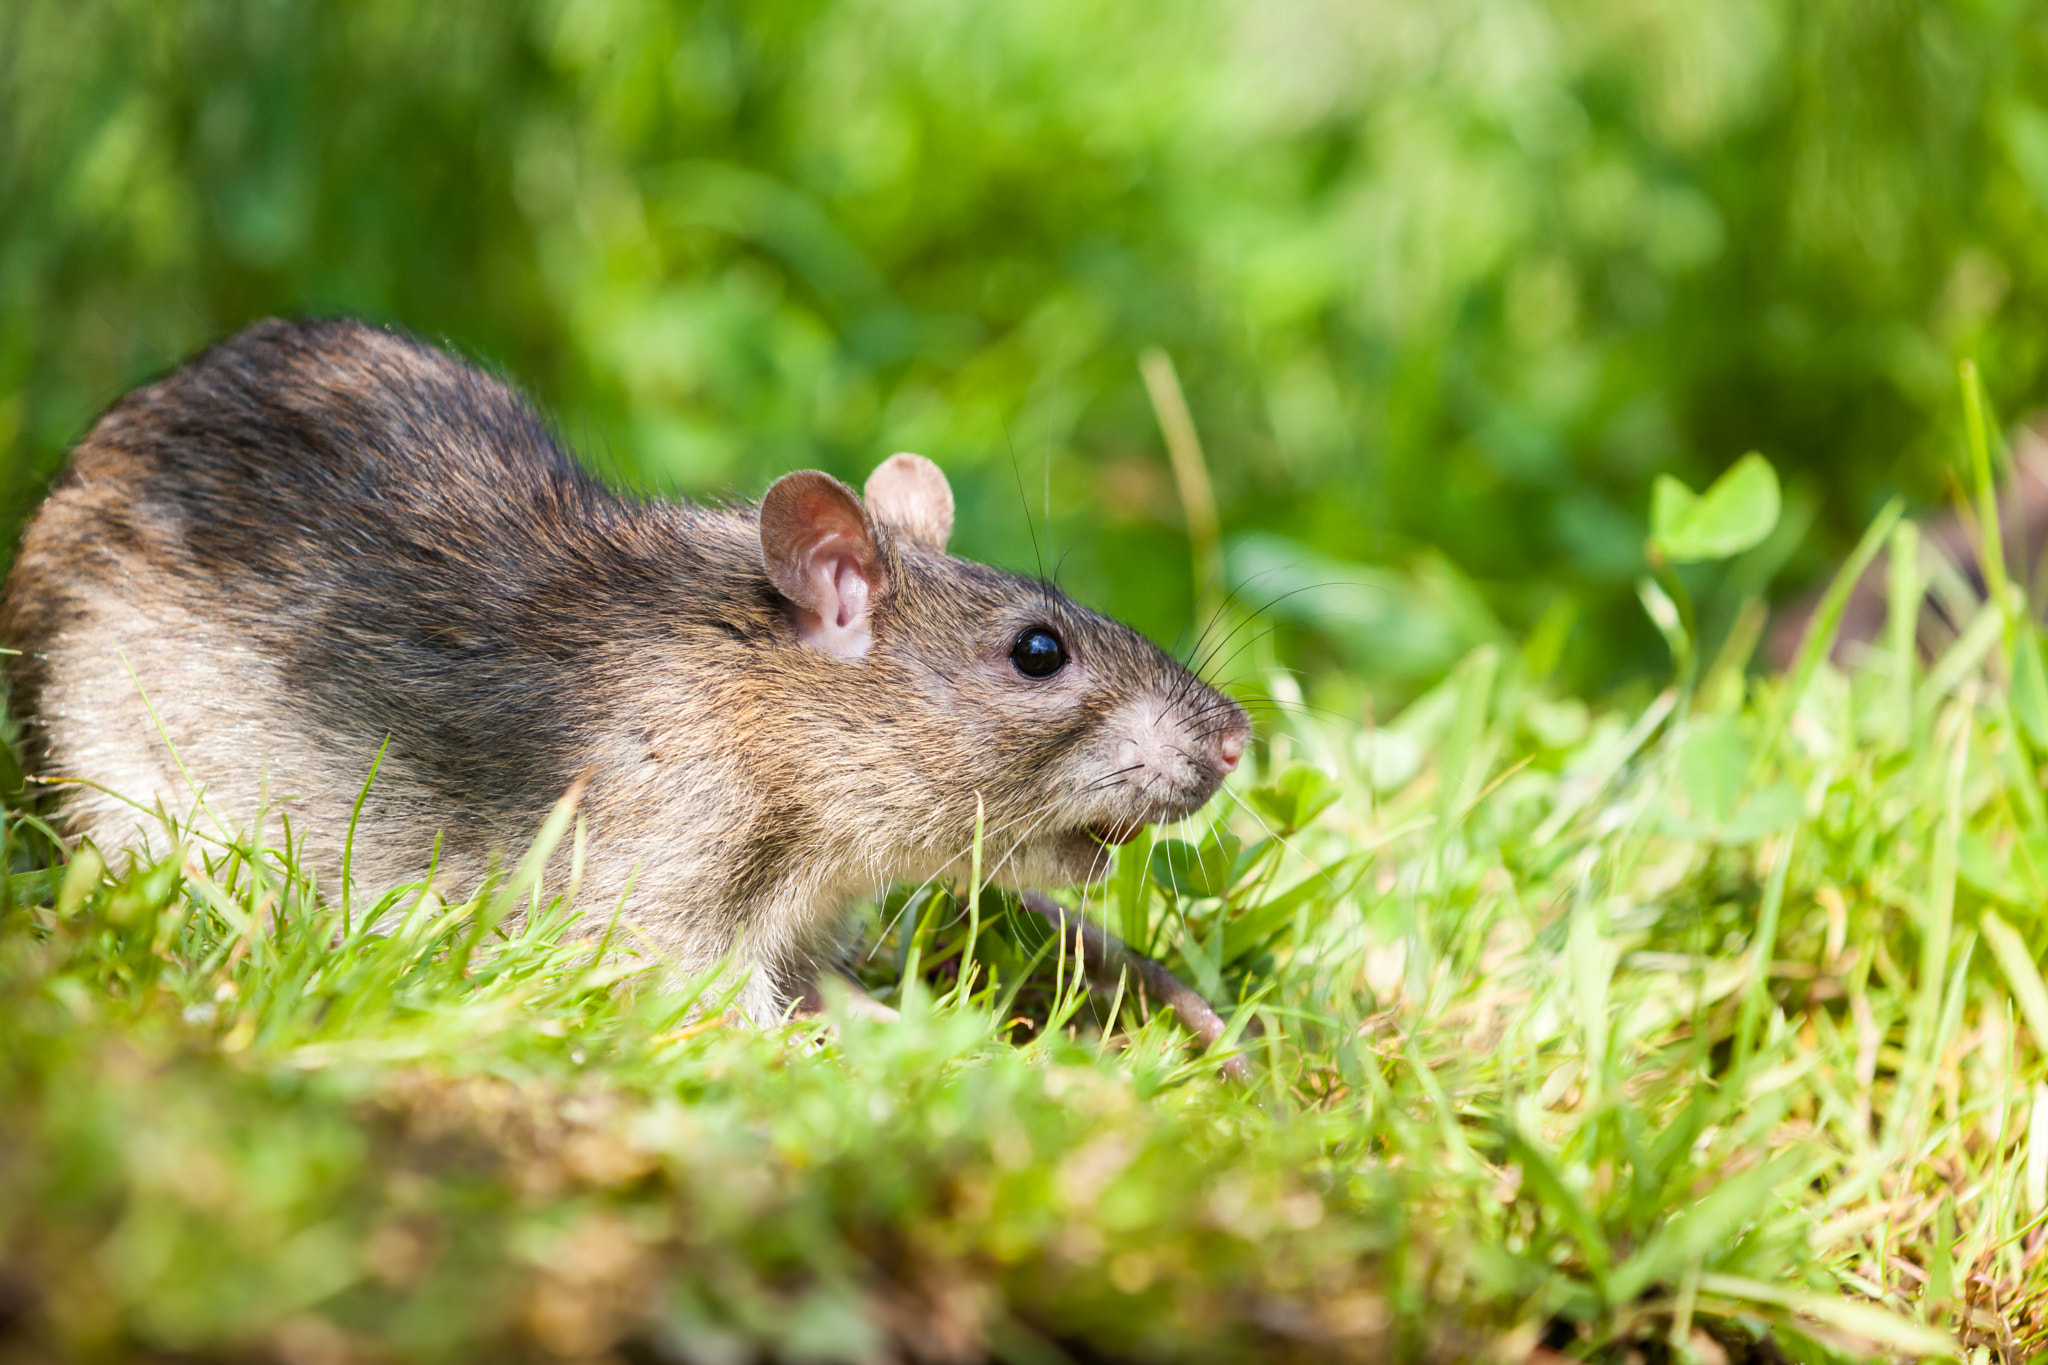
point(322, 541)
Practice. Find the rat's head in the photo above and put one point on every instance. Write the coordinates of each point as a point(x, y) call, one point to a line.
point(1073, 730)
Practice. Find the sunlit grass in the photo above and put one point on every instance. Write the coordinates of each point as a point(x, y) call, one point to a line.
point(1583, 1033)
point(1708, 1030)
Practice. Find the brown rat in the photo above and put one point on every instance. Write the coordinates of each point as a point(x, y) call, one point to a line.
point(318, 539)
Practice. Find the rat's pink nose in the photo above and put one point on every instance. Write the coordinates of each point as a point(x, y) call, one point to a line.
point(1229, 750)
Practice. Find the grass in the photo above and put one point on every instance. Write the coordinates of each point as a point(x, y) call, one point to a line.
point(1710, 1030)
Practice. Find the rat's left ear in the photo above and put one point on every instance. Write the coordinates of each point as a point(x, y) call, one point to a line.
point(911, 496)
point(820, 553)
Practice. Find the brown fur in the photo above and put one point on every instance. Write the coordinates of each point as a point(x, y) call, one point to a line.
point(319, 537)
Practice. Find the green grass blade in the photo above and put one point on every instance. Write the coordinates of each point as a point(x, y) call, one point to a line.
point(1883, 1329)
point(2022, 976)
point(1827, 618)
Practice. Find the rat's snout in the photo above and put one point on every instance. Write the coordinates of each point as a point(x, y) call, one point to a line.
point(1221, 729)
point(1175, 756)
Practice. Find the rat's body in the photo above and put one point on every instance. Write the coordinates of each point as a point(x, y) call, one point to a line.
point(321, 539)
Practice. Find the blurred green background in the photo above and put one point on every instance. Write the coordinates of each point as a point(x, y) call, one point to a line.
point(1447, 283)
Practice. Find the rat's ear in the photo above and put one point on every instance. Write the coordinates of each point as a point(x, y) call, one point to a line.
point(820, 552)
point(910, 494)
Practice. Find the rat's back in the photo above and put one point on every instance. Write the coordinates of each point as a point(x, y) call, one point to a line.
point(260, 566)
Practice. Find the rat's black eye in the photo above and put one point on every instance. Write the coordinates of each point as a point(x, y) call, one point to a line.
point(1037, 653)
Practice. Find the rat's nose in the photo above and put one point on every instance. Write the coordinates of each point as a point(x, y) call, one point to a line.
point(1229, 749)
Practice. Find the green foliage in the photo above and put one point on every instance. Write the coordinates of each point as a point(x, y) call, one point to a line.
point(1448, 284)
point(1296, 799)
point(1734, 515)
